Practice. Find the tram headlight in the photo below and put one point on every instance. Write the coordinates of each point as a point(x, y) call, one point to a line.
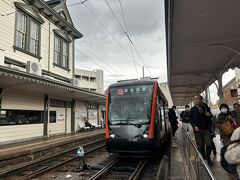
point(112, 135)
point(145, 135)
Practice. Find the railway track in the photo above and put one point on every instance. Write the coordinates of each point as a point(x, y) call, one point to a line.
point(38, 167)
point(130, 169)
point(120, 169)
point(136, 168)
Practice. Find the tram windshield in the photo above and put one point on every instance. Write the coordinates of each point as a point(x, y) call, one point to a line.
point(130, 104)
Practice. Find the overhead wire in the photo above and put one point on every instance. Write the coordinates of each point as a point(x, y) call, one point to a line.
point(125, 23)
point(7, 14)
point(95, 63)
point(85, 55)
point(46, 41)
point(74, 4)
point(95, 56)
point(127, 35)
point(104, 27)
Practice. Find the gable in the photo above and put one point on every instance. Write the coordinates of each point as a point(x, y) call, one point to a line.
point(62, 9)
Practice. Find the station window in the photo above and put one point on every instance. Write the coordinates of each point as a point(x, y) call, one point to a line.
point(78, 76)
point(60, 103)
point(53, 117)
point(20, 117)
point(92, 79)
point(92, 106)
point(54, 103)
point(68, 104)
point(85, 78)
point(234, 93)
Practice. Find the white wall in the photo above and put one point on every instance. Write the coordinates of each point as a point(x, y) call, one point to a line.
point(22, 100)
point(80, 114)
point(7, 37)
point(68, 120)
point(92, 116)
point(59, 126)
point(20, 132)
point(98, 84)
point(166, 92)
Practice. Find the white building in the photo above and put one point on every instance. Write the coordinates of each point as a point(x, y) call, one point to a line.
point(90, 80)
point(166, 91)
point(37, 97)
point(237, 73)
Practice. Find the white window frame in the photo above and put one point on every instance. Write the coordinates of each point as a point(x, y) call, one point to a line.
point(21, 31)
point(24, 39)
point(61, 56)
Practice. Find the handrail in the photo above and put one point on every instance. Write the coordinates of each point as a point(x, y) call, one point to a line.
point(200, 156)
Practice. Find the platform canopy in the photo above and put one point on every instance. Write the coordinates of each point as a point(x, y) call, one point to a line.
point(203, 40)
point(11, 79)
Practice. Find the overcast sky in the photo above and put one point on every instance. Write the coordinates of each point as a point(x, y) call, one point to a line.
point(105, 46)
point(107, 41)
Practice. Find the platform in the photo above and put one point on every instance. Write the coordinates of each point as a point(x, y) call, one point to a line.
point(32, 150)
point(217, 170)
point(197, 171)
point(177, 165)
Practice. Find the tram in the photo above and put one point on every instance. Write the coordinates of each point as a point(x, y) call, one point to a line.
point(136, 117)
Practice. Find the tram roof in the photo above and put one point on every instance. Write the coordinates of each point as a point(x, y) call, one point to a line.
point(203, 40)
point(138, 82)
point(133, 83)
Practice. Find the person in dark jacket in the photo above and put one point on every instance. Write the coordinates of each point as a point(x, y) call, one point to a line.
point(185, 117)
point(213, 134)
point(200, 119)
point(236, 114)
point(173, 119)
point(220, 120)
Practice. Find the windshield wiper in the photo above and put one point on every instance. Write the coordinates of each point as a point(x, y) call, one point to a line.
point(129, 123)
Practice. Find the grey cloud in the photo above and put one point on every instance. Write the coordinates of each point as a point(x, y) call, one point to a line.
point(145, 19)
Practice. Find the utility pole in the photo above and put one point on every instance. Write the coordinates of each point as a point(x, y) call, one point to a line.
point(143, 71)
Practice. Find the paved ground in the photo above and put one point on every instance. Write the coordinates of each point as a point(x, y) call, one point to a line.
point(177, 165)
point(217, 170)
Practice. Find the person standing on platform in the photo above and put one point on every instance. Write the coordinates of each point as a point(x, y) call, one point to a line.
point(236, 114)
point(220, 120)
point(200, 119)
point(173, 119)
point(213, 134)
point(232, 154)
point(185, 117)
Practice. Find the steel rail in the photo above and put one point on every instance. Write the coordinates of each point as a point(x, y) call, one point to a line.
point(48, 168)
point(137, 173)
point(35, 162)
point(103, 172)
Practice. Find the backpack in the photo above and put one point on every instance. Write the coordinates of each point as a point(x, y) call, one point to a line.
point(230, 168)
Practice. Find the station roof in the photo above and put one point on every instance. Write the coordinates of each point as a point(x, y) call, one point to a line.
point(203, 40)
point(18, 80)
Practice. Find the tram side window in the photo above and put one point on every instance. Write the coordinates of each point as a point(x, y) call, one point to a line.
point(20, 117)
point(163, 114)
point(159, 113)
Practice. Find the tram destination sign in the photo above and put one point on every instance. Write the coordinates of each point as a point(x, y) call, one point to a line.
point(133, 90)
